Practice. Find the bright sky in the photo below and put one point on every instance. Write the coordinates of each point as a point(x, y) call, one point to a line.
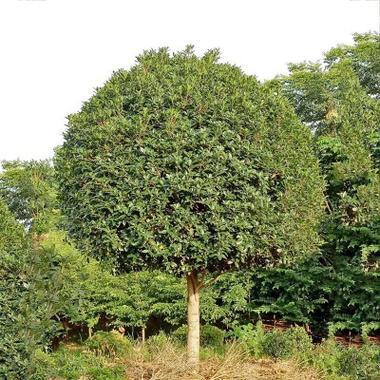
point(53, 53)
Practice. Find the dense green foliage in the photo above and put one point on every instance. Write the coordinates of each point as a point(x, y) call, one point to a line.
point(92, 297)
point(73, 364)
point(28, 297)
point(365, 59)
point(109, 344)
point(334, 101)
point(28, 189)
point(185, 164)
point(13, 346)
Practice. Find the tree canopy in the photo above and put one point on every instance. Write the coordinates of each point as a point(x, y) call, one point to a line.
point(365, 58)
point(346, 119)
point(186, 164)
point(28, 189)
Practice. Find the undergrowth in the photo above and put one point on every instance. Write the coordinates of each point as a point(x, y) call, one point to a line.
point(333, 361)
point(253, 355)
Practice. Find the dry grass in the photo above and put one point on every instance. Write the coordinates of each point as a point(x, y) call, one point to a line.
point(168, 362)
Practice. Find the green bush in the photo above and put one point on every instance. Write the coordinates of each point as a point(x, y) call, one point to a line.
point(211, 336)
point(74, 364)
point(42, 364)
point(325, 357)
point(336, 361)
point(157, 342)
point(283, 345)
point(276, 344)
point(333, 360)
point(360, 363)
point(29, 288)
point(252, 338)
point(109, 344)
point(13, 353)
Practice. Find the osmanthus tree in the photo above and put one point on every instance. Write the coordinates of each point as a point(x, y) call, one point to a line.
point(191, 166)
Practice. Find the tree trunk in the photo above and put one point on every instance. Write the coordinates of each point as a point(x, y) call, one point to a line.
point(143, 335)
point(193, 320)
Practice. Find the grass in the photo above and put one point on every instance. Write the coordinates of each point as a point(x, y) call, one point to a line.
point(161, 358)
point(255, 356)
point(169, 363)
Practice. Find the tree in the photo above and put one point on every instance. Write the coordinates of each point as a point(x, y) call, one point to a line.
point(340, 103)
point(29, 279)
point(14, 350)
point(25, 306)
point(190, 166)
point(346, 122)
point(364, 56)
point(28, 189)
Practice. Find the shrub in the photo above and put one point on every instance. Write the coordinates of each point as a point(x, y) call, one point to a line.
point(24, 310)
point(109, 344)
point(336, 361)
point(14, 352)
point(158, 341)
point(252, 337)
point(360, 363)
point(283, 345)
point(180, 334)
point(42, 363)
point(324, 357)
point(211, 336)
point(74, 364)
point(276, 344)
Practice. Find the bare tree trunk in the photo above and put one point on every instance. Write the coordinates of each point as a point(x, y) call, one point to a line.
point(143, 335)
point(193, 320)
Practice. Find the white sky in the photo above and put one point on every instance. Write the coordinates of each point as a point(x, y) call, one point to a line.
point(53, 53)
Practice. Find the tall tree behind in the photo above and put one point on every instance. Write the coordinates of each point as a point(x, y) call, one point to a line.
point(364, 56)
point(339, 102)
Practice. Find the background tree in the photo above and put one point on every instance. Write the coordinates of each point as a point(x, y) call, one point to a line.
point(346, 123)
point(13, 245)
point(192, 167)
point(25, 305)
point(365, 59)
point(28, 189)
point(339, 103)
